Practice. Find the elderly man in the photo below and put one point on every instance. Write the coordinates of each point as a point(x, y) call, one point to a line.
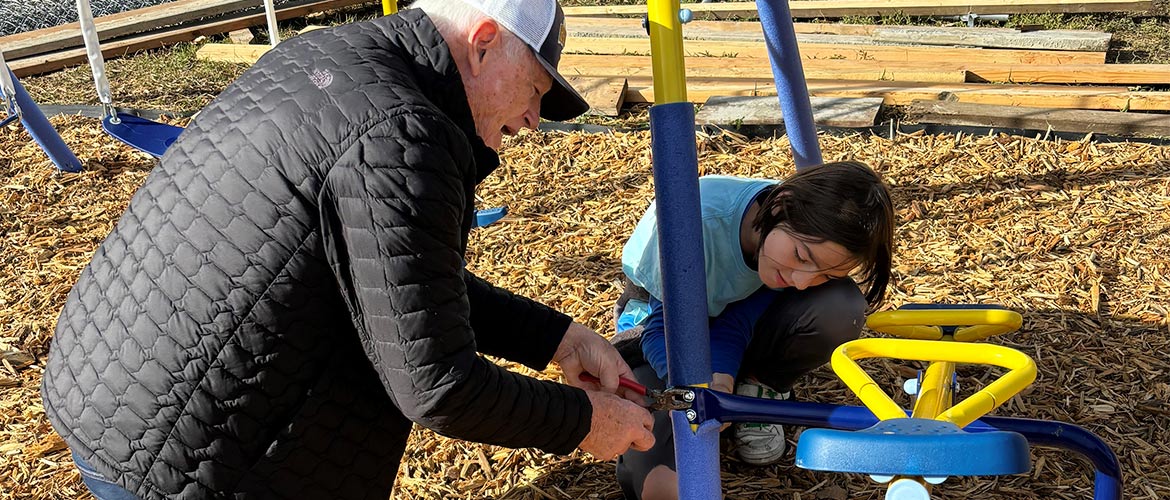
point(286, 293)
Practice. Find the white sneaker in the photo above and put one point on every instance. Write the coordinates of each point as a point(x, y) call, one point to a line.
point(759, 444)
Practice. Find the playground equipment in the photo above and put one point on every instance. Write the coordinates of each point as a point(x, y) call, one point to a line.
point(938, 439)
point(19, 106)
point(145, 135)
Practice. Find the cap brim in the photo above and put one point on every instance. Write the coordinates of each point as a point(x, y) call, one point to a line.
point(561, 102)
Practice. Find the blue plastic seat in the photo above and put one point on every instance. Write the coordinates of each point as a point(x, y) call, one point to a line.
point(914, 447)
point(145, 135)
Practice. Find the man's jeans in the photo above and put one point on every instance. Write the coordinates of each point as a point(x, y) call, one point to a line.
point(102, 488)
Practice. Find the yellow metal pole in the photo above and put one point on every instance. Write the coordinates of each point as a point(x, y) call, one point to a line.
point(389, 7)
point(937, 391)
point(666, 52)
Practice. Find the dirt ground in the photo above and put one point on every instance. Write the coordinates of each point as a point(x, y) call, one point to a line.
point(1073, 235)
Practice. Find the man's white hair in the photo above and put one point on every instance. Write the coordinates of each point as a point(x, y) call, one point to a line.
point(454, 18)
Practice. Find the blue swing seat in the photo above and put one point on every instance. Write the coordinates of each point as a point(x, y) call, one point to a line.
point(489, 215)
point(914, 447)
point(142, 134)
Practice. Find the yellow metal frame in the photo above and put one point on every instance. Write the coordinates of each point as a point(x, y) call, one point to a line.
point(925, 324)
point(1022, 371)
point(389, 7)
point(925, 340)
point(666, 52)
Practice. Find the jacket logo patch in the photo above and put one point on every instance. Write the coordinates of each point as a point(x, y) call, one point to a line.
point(321, 78)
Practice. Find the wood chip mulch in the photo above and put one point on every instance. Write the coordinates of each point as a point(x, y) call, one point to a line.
point(1073, 235)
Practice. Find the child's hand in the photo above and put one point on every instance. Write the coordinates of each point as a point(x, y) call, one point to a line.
point(722, 382)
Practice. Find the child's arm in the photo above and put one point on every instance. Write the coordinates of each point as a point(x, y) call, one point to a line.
point(654, 339)
point(730, 333)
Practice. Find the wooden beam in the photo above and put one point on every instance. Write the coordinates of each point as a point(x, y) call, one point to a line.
point(639, 66)
point(242, 36)
point(223, 52)
point(1060, 120)
point(1002, 38)
point(716, 67)
point(903, 93)
point(740, 111)
point(921, 54)
point(68, 36)
point(54, 61)
point(604, 95)
point(1112, 74)
point(842, 8)
point(841, 69)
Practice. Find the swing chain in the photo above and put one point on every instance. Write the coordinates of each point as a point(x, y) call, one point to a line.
point(11, 106)
point(111, 113)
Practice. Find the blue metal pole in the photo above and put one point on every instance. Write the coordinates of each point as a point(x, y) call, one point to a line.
point(42, 131)
point(780, 36)
point(684, 288)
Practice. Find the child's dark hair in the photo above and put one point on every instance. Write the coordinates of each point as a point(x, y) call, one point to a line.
point(845, 202)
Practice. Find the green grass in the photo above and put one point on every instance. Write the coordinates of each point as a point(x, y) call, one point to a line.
point(163, 79)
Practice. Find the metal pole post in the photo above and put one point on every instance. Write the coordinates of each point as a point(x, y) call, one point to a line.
point(780, 36)
point(680, 247)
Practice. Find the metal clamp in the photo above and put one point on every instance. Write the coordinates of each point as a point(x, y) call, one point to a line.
point(675, 398)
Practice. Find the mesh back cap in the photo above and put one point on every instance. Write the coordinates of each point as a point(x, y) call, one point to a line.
point(541, 25)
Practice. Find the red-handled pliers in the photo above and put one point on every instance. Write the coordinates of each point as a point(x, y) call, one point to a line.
point(670, 399)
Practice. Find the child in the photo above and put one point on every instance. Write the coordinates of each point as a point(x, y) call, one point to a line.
point(779, 258)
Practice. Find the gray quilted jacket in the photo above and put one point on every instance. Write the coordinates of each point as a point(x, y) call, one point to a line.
point(288, 283)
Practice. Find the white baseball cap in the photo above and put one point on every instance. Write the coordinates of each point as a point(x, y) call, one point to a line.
point(541, 25)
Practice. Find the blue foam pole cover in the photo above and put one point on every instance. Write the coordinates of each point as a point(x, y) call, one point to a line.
point(696, 455)
point(780, 36)
point(684, 284)
point(42, 131)
point(680, 243)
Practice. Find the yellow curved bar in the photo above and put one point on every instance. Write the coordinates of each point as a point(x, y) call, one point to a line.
point(666, 52)
point(1021, 373)
point(389, 7)
point(923, 323)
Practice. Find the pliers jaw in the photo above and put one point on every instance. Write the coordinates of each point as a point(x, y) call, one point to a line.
point(674, 398)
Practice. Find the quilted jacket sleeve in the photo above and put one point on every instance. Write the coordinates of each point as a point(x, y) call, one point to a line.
point(513, 327)
point(392, 208)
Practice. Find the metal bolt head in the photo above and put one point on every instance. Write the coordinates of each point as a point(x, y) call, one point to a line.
point(689, 396)
point(692, 415)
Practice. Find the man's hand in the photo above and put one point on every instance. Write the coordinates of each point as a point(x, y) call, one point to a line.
point(583, 350)
point(617, 426)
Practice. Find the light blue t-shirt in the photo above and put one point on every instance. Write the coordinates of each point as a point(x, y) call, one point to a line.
point(724, 200)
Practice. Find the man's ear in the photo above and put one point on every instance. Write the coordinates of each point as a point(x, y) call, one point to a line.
point(484, 36)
